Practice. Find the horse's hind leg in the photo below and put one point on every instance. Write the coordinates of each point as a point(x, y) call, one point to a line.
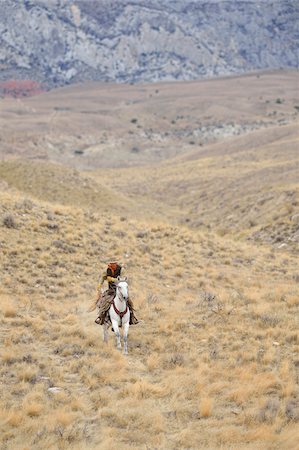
point(126, 331)
point(117, 333)
point(105, 326)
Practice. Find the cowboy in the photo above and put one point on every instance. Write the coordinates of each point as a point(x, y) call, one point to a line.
point(104, 300)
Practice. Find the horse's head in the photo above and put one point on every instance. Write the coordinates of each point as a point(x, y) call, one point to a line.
point(122, 289)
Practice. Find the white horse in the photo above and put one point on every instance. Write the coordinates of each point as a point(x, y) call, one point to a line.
point(119, 314)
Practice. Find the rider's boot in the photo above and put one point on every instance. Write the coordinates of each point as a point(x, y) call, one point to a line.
point(133, 318)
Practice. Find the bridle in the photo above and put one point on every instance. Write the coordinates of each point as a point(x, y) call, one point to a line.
point(122, 299)
point(120, 294)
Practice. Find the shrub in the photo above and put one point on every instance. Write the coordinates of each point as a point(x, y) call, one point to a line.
point(135, 150)
point(9, 221)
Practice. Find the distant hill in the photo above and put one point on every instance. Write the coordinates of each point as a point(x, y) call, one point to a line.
point(61, 42)
point(80, 125)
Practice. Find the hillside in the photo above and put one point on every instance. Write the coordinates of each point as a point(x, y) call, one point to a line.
point(96, 125)
point(247, 186)
point(64, 186)
point(57, 43)
point(204, 218)
point(217, 154)
point(211, 364)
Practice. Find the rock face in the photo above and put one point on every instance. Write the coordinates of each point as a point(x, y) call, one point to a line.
point(62, 41)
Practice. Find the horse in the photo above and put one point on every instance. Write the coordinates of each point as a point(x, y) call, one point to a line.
point(119, 314)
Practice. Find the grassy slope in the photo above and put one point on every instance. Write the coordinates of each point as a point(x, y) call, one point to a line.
point(245, 187)
point(213, 362)
point(141, 124)
point(55, 183)
point(202, 372)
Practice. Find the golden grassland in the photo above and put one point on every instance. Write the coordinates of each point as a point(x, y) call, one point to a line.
point(70, 187)
point(56, 183)
point(208, 239)
point(247, 186)
point(211, 365)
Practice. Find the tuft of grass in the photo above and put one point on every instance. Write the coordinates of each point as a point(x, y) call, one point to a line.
point(14, 418)
point(33, 409)
point(63, 417)
point(205, 408)
point(9, 311)
point(28, 374)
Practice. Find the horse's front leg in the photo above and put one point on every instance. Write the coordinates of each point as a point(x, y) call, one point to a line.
point(105, 327)
point(117, 333)
point(126, 331)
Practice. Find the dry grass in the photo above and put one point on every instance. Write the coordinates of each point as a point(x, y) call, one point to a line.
point(137, 125)
point(248, 189)
point(212, 363)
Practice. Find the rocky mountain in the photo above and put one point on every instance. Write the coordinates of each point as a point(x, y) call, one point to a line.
point(56, 42)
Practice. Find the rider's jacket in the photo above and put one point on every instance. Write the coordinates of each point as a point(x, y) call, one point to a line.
point(110, 274)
